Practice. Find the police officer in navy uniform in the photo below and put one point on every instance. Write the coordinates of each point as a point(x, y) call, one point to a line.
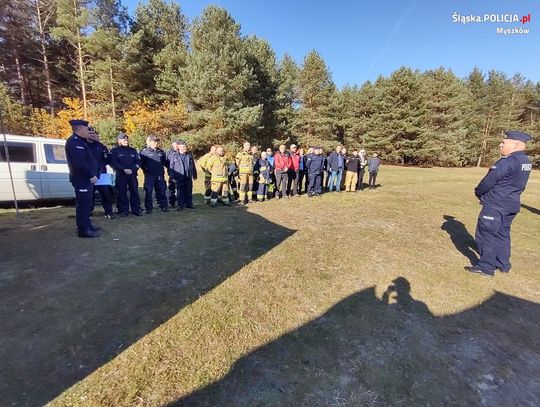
point(82, 175)
point(126, 161)
point(315, 168)
point(153, 163)
point(499, 193)
point(101, 155)
point(184, 171)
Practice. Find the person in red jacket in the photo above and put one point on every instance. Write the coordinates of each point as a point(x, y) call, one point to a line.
point(294, 172)
point(282, 163)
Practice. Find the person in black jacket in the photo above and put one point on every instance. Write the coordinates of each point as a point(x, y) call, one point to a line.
point(153, 163)
point(352, 164)
point(184, 171)
point(101, 155)
point(126, 161)
point(82, 175)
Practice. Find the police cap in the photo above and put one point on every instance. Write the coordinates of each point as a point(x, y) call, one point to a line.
point(78, 122)
point(517, 135)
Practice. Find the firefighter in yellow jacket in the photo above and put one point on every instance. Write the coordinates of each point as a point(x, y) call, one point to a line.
point(203, 161)
point(218, 168)
point(244, 162)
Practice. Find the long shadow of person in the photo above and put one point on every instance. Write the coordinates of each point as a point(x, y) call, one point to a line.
point(461, 238)
point(369, 352)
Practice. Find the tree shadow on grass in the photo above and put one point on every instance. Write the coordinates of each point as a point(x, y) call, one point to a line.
point(68, 305)
point(394, 351)
point(461, 238)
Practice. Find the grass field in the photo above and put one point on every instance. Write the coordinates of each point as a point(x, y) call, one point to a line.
point(344, 300)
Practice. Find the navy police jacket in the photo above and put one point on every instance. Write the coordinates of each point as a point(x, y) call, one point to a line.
point(125, 158)
point(182, 167)
point(264, 169)
point(505, 181)
point(101, 155)
point(314, 163)
point(81, 162)
point(153, 162)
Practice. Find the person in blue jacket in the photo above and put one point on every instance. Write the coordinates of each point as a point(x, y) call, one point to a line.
point(101, 155)
point(335, 164)
point(126, 162)
point(153, 163)
point(264, 171)
point(315, 168)
point(82, 175)
point(499, 193)
point(184, 171)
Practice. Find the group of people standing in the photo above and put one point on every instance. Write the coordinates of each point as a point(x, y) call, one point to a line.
point(252, 176)
point(246, 177)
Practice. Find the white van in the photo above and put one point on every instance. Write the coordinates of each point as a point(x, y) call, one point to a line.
point(39, 168)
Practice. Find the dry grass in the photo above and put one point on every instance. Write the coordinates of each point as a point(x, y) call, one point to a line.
point(279, 304)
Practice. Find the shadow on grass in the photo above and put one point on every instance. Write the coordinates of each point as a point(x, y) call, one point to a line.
point(461, 238)
point(393, 351)
point(68, 305)
point(531, 209)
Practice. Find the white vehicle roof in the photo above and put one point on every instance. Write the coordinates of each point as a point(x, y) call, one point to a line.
point(15, 137)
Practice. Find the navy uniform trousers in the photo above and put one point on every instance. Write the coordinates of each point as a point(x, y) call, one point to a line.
point(184, 192)
point(84, 200)
point(106, 194)
point(315, 183)
point(156, 182)
point(125, 182)
point(493, 239)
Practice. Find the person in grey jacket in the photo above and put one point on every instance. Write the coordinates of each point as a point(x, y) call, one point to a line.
point(373, 167)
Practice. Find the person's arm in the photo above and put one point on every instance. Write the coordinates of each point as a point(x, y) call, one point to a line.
point(78, 159)
point(137, 163)
point(194, 167)
point(114, 162)
point(144, 161)
point(494, 175)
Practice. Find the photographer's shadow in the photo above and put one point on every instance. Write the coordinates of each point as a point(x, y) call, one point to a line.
point(461, 238)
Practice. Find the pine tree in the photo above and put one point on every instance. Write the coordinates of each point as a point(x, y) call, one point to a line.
point(262, 60)
point(315, 122)
point(397, 125)
point(72, 21)
point(447, 108)
point(287, 99)
point(217, 78)
point(157, 49)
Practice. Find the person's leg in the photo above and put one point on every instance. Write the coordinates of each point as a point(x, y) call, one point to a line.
point(106, 198)
point(207, 189)
point(161, 193)
point(503, 252)
point(487, 239)
point(216, 190)
point(172, 192)
point(285, 181)
point(181, 194)
point(370, 181)
point(251, 185)
point(354, 180)
point(148, 189)
point(375, 178)
point(318, 184)
point(261, 191)
point(122, 204)
point(83, 206)
point(135, 201)
point(189, 193)
point(360, 183)
point(225, 193)
point(339, 179)
point(348, 180)
point(332, 175)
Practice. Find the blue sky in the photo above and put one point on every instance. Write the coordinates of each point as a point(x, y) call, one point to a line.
point(362, 39)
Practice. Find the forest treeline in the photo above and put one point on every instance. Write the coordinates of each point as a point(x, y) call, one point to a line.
point(205, 82)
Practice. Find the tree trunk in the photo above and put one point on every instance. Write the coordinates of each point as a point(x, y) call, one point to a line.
point(45, 59)
point(112, 90)
point(81, 78)
point(20, 77)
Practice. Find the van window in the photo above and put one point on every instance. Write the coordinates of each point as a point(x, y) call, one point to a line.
point(55, 154)
point(18, 152)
